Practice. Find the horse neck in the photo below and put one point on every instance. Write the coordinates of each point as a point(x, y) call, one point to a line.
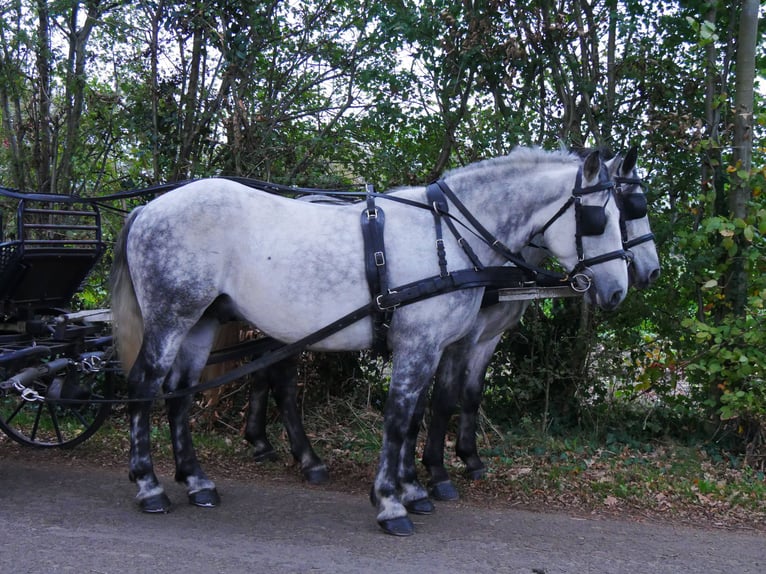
point(512, 205)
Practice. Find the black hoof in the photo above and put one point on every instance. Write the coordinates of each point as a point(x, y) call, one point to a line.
point(206, 498)
point(397, 526)
point(157, 504)
point(316, 476)
point(476, 473)
point(266, 456)
point(444, 491)
point(423, 506)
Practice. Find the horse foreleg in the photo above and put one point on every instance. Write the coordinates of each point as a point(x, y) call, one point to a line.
point(414, 495)
point(472, 389)
point(412, 371)
point(444, 402)
point(284, 385)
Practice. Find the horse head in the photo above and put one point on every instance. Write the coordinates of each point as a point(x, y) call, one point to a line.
point(595, 259)
point(638, 239)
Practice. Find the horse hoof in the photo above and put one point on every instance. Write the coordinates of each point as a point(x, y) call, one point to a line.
point(156, 504)
point(266, 456)
point(476, 473)
point(205, 498)
point(401, 526)
point(422, 506)
point(444, 491)
point(316, 476)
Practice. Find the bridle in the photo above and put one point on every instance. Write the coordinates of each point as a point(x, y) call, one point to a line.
point(632, 206)
point(590, 220)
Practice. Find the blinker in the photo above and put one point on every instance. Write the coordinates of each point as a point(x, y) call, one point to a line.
point(592, 219)
point(632, 206)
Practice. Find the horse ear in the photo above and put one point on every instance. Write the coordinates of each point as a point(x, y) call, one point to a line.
point(629, 163)
point(592, 166)
point(613, 165)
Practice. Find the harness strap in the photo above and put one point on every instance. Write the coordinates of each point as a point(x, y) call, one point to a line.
point(438, 201)
point(373, 224)
point(439, 205)
point(638, 240)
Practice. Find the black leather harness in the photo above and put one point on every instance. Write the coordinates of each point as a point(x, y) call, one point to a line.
point(439, 195)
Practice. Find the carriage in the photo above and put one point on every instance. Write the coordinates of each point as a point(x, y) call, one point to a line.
point(57, 367)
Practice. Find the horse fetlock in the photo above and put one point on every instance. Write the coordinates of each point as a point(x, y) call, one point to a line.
point(151, 497)
point(196, 483)
point(415, 498)
point(263, 451)
point(475, 468)
point(437, 473)
point(413, 491)
point(390, 508)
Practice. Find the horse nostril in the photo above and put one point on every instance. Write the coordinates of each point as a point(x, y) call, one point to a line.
point(654, 275)
point(616, 299)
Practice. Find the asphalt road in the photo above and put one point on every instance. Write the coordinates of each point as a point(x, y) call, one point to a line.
point(64, 518)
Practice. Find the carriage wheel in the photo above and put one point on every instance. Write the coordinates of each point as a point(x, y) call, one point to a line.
point(58, 424)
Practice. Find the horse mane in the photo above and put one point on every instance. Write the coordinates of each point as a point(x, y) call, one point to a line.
point(520, 159)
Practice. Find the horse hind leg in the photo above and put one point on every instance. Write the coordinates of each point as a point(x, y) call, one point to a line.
point(472, 390)
point(185, 374)
point(144, 379)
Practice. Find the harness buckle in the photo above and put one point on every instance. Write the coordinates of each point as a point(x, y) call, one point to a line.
point(372, 213)
point(379, 303)
point(380, 259)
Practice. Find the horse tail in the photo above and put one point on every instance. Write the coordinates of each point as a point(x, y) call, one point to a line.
point(128, 323)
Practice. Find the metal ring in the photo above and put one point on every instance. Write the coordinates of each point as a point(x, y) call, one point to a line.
point(579, 277)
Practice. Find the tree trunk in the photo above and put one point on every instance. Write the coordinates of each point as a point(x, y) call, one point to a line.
point(42, 145)
point(739, 192)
